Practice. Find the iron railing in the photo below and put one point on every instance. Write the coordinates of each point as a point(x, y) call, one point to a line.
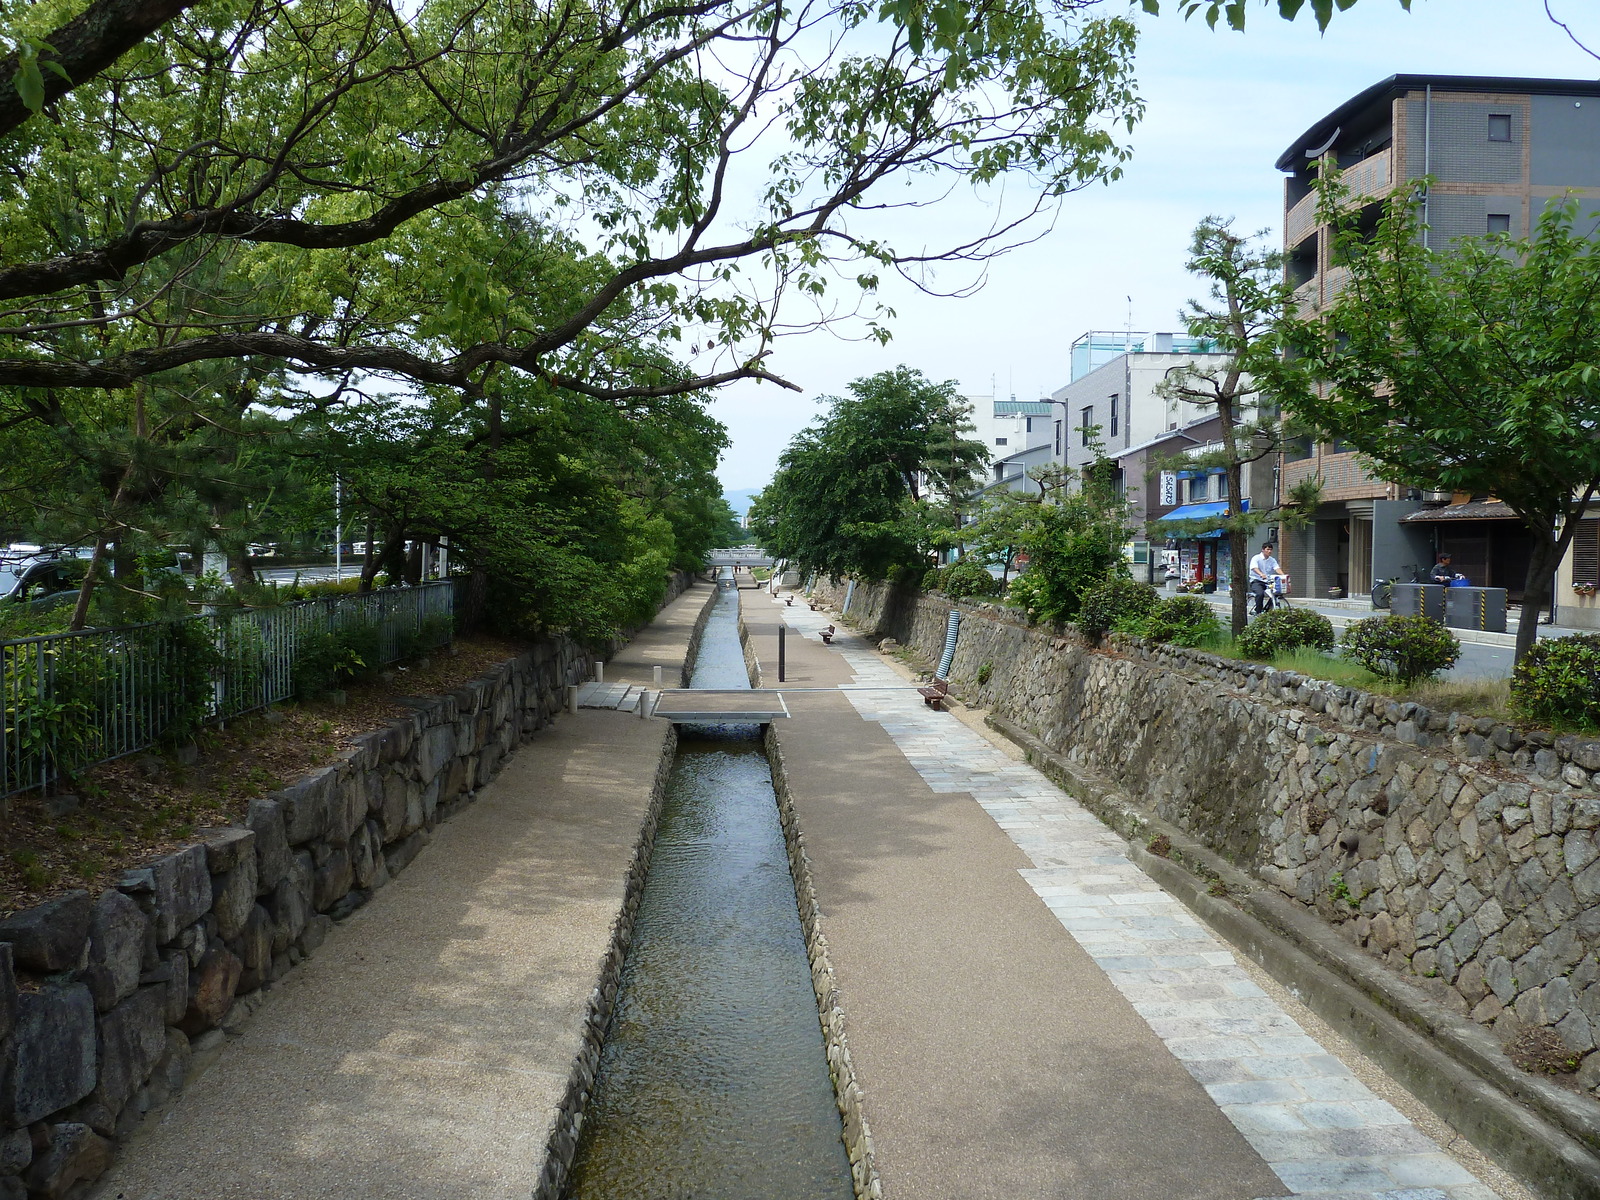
point(71, 700)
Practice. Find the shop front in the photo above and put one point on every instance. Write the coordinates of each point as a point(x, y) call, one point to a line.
point(1204, 563)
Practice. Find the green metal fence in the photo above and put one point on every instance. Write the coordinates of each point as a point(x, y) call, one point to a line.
point(71, 700)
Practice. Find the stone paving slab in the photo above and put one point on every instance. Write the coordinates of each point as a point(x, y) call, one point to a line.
point(1319, 1128)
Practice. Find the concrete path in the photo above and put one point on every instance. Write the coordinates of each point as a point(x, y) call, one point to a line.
point(423, 1051)
point(1048, 1022)
point(997, 1059)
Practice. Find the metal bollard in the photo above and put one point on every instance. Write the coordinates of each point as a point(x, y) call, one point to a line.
point(572, 698)
point(599, 672)
point(655, 675)
point(643, 707)
point(782, 629)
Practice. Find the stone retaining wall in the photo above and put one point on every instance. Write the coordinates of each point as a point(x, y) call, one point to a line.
point(105, 1000)
point(1461, 852)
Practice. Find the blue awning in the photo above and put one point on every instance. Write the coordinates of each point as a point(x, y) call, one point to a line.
point(1189, 512)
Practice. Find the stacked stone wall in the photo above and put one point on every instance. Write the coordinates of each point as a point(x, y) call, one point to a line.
point(107, 1001)
point(1461, 851)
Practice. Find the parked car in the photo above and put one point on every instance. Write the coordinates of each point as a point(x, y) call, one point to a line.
point(39, 580)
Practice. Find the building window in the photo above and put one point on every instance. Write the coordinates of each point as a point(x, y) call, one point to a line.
point(1027, 424)
point(1088, 423)
point(1499, 127)
point(1499, 222)
point(1114, 407)
point(1297, 449)
point(1058, 439)
point(1200, 488)
point(1000, 441)
point(1586, 552)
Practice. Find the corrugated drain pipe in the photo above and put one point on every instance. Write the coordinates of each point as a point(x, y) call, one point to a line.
point(949, 644)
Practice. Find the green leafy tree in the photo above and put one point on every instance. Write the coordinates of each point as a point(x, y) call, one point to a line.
point(1473, 369)
point(1246, 294)
point(354, 190)
point(1002, 528)
point(874, 485)
point(1074, 543)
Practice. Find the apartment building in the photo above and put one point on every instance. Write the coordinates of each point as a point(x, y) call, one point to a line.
point(1112, 398)
point(1499, 150)
point(1008, 428)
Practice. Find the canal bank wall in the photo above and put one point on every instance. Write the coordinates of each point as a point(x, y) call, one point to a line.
point(111, 1004)
point(1459, 854)
point(857, 1133)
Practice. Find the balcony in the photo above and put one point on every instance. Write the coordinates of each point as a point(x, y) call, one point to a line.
point(1300, 220)
point(1367, 180)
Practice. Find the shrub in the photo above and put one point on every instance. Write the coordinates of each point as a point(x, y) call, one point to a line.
point(1111, 603)
point(1183, 621)
point(1559, 680)
point(327, 659)
point(1025, 593)
point(1285, 629)
point(1403, 648)
point(966, 578)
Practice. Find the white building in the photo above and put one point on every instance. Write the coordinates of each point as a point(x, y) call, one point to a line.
point(1117, 404)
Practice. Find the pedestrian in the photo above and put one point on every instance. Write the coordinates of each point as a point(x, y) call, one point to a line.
point(1443, 572)
point(1263, 570)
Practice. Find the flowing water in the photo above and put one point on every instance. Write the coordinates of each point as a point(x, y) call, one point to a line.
point(713, 1081)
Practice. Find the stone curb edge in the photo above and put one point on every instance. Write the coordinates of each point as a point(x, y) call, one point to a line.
point(1531, 1127)
point(561, 1144)
point(847, 1091)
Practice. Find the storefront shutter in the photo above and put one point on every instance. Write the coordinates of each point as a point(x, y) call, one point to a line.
point(1586, 552)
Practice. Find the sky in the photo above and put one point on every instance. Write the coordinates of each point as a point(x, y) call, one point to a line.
point(1221, 107)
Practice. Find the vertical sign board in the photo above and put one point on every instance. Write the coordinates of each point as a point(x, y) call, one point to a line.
point(1169, 487)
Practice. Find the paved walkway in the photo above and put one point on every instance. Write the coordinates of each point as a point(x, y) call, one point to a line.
point(1149, 993)
point(421, 1054)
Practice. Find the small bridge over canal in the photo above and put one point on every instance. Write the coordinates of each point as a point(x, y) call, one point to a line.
point(743, 556)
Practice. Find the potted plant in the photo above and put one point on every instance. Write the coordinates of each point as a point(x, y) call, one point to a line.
point(1584, 589)
point(1208, 583)
point(1336, 593)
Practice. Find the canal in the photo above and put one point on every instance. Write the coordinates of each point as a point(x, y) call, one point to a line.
point(713, 1081)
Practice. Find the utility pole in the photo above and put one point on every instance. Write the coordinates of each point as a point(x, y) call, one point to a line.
point(338, 530)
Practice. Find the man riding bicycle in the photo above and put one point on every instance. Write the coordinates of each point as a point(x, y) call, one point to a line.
point(1264, 571)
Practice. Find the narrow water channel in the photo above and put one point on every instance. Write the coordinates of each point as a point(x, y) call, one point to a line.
point(713, 1080)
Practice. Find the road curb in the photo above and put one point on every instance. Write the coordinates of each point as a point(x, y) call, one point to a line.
point(1544, 1135)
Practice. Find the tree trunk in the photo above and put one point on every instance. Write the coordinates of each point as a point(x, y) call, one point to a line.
point(369, 562)
point(241, 570)
point(80, 610)
point(1238, 549)
point(1536, 592)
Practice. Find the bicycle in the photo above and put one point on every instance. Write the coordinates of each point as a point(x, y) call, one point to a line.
point(1276, 597)
point(1383, 590)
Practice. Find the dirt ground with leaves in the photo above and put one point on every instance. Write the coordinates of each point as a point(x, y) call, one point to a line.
point(124, 813)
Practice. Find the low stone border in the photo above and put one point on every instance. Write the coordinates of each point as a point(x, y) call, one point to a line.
point(847, 1092)
point(562, 1146)
point(1542, 1133)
